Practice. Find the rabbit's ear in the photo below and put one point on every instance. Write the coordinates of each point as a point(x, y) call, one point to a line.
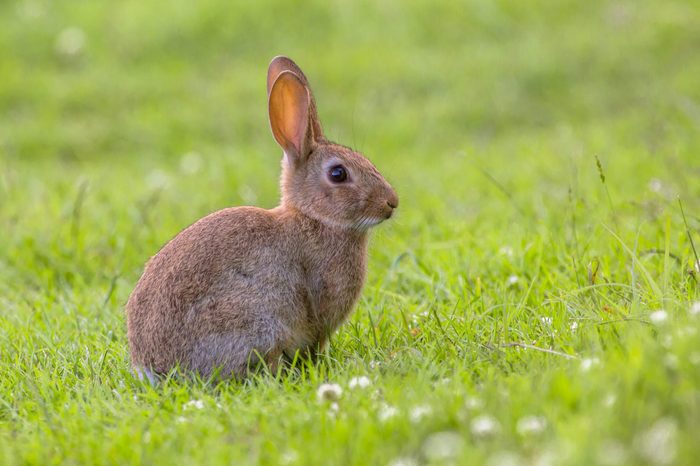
point(280, 64)
point(288, 106)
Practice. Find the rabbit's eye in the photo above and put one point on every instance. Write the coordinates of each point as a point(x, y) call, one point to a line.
point(337, 174)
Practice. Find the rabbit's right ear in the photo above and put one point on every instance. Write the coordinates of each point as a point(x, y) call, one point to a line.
point(282, 63)
point(288, 107)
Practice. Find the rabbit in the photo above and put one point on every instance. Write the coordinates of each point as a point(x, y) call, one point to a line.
point(246, 287)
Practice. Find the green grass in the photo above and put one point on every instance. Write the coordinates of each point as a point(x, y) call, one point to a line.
point(513, 282)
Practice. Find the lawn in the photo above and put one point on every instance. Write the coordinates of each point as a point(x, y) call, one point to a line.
point(535, 301)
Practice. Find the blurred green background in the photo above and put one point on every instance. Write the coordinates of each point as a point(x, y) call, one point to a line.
point(122, 122)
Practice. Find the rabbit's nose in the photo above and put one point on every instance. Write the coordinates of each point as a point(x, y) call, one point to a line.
point(393, 200)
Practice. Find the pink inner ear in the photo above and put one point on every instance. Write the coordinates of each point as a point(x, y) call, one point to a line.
point(289, 113)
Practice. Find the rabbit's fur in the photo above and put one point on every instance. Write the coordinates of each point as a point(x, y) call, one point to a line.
point(246, 285)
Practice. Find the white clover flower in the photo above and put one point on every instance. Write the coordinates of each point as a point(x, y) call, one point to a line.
point(329, 392)
point(31, 9)
point(289, 457)
point(473, 403)
point(193, 404)
point(191, 163)
point(403, 461)
point(655, 185)
point(419, 412)
point(695, 309)
point(658, 317)
point(531, 425)
point(333, 408)
point(504, 458)
point(506, 251)
point(359, 382)
point(588, 363)
point(694, 358)
point(442, 446)
point(612, 453)
point(671, 361)
point(667, 341)
point(157, 179)
point(386, 412)
point(686, 332)
point(546, 457)
point(70, 42)
point(484, 426)
point(658, 444)
point(513, 279)
point(573, 326)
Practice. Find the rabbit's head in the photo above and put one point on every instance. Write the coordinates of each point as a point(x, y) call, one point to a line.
point(321, 179)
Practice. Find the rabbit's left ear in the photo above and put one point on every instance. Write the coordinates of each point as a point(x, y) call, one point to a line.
point(288, 108)
point(280, 64)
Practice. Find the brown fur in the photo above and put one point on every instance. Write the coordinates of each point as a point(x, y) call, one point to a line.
point(245, 284)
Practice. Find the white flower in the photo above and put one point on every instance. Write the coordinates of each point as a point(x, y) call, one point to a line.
point(574, 326)
point(196, 404)
point(70, 42)
point(374, 364)
point(531, 425)
point(180, 419)
point(694, 358)
point(157, 179)
point(419, 412)
point(403, 461)
point(667, 341)
point(473, 403)
point(588, 363)
point(655, 185)
point(671, 361)
point(289, 457)
point(686, 332)
point(611, 453)
point(329, 392)
point(610, 400)
point(546, 320)
point(31, 9)
point(484, 426)
point(191, 163)
point(658, 317)
point(658, 444)
point(504, 458)
point(442, 446)
point(359, 382)
point(386, 412)
point(513, 279)
point(695, 309)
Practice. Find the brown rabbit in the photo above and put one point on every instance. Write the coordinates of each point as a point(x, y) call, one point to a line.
point(246, 285)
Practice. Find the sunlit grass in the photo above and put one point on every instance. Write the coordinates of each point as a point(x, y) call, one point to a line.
point(535, 300)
